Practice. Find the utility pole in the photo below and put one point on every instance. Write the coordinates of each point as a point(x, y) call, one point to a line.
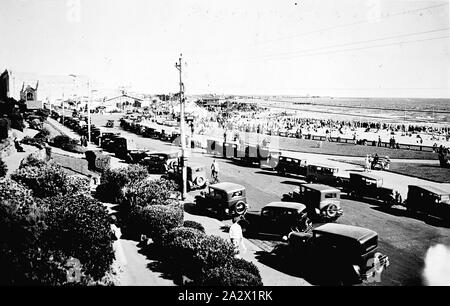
point(182, 132)
point(89, 113)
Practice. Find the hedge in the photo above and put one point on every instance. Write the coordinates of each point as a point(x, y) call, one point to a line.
point(113, 180)
point(32, 160)
point(45, 181)
point(80, 227)
point(24, 257)
point(229, 276)
point(157, 220)
point(3, 168)
point(78, 184)
point(149, 192)
point(194, 224)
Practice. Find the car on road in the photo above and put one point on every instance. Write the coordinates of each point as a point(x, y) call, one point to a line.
point(428, 200)
point(291, 165)
point(277, 218)
point(326, 174)
point(365, 185)
point(160, 162)
point(336, 254)
point(110, 123)
point(225, 199)
point(195, 173)
point(323, 202)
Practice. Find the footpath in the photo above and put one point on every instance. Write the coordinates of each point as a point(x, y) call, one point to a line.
point(136, 269)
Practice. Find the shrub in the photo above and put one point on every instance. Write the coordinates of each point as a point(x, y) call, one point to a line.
point(113, 180)
point(78, 184)
point(242, 264)
point(179, 245)
point(32, 160)
point(194, 224)
point(43, 134)
point(229, 276)
point(36, 142)
point(24, 258)
point(80, 227)
point(149, 192)
point(60, 140)
point(45, 181)
point(3, 168)
point(157, 220)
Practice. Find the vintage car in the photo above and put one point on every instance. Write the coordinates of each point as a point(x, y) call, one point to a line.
point(122, 147)
point(271, 161)
point(429, 200)
point(326, 174)
point(110, 123)
point(160, 162)
point(196, 176)
point(336, 254)
point(322, 202)
point(365, 185)
point(105, 139)
point(225, 199)
point(277, 218)
point(291, 165)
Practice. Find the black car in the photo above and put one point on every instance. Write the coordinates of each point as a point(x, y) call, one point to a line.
point(277, 218)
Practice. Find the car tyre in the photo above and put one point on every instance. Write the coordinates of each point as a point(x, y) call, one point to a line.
point(331, 211)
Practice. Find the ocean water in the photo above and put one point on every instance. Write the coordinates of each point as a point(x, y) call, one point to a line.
point(399, 110)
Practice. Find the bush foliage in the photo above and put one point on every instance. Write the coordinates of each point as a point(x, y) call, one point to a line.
point(3, 168)
point(155, 221)
point(229, 276)
point(193, 224)
point(44, 180)
point(80, 227)
point(113, 181)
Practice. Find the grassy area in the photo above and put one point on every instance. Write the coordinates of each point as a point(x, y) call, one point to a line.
point(429, 172)
point(333, 148)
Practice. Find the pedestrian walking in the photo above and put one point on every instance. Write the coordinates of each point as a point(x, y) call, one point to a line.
point(215, 171)
point(236, 237)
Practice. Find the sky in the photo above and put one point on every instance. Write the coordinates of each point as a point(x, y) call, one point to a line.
point(386, 48)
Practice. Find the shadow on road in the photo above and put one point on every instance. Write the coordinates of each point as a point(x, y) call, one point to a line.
point(155, 254)
point(401, 212)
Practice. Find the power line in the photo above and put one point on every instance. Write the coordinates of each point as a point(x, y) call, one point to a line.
point(355, 49)
point(357, 42)
point(349, 24)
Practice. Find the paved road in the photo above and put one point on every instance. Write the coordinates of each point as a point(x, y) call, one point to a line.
point(405, 239)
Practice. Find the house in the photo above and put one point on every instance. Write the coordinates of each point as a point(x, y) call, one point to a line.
point(122, 102)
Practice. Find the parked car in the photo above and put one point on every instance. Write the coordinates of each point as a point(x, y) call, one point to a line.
point(429, 200)
point(364, 185)
point(160, 162)
point(277, 218)
point(291, 165)
point(271, 161)
point(225, 199)
point(335, 254)
point(110, 123)
point(318, 173)
point(323, 202)
point(123, 147)
point(196, 176)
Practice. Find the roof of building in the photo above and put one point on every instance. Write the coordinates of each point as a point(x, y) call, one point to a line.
point(124, 95)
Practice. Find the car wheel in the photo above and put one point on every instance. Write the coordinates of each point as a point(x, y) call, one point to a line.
point(240, 208)
point(200, 181)
point(331, 211)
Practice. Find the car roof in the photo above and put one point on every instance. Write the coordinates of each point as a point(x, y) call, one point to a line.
point(227, 186)
point(321, 187)
point(371, 176)
point(360, 234)
point(323, 165)
point(291, 205)
point(431, 189)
